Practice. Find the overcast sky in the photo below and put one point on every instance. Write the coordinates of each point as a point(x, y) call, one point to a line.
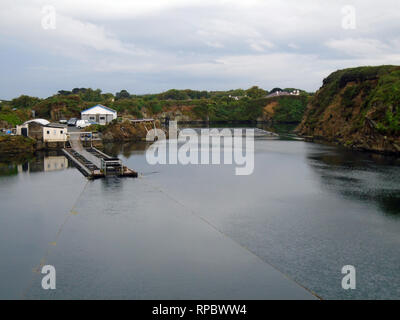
point(148, 46)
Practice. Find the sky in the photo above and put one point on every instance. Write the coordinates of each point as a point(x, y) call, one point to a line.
point(149, 46)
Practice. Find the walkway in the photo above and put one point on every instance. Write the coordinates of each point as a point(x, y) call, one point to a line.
point(77, 145)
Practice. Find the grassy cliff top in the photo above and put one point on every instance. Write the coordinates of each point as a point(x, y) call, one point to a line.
point(342, 77)
point(367, 92)
point(384, 80)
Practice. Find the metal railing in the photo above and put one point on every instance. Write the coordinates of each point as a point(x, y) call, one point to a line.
point(111, 165)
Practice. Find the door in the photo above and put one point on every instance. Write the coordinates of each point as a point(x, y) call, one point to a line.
point(24, 132)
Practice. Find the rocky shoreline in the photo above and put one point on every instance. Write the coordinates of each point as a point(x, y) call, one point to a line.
point(382, 146)
point(16, 145)
point(116, 132)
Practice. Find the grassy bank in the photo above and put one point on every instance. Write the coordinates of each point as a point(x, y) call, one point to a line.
point(15, 145)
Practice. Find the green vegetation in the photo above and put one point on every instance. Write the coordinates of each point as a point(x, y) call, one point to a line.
point(24, 102)
point(377, 90)
point(227, 109)
point(256, 93)
point(391, 122)
point(339, 79)
point(15, 145)
point(8, 169)
point(349, 95)
point(290, 109)
point(232, 105)
point(11, 118)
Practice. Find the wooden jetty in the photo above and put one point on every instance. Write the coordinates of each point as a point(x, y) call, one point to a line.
point(95, 164)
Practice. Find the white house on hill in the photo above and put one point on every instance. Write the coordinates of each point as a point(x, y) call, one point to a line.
point(99, 113)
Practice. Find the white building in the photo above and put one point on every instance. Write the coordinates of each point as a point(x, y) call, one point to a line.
point(43, 130)
point(23, 129)
point(100, 114)
point(32, 128)
point(55, 133)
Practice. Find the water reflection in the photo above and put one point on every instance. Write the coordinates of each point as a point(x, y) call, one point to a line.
point(112, 184)
point(8, 169)
point(126, 149)
point(364, 177)
point(277, 128)
point(284, 130)
point(41, 162)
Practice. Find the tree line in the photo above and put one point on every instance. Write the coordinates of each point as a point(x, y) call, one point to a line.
point(237, 104)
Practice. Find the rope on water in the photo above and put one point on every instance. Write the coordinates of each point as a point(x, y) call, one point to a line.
point(71, 212)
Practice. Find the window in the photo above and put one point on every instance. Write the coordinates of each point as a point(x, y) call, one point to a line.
point(91, 118)
point(48, 132)
point(61, 132)
point(102, 118)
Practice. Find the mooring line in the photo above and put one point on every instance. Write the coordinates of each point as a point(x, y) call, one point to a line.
point(193, 213)
point(54, 243)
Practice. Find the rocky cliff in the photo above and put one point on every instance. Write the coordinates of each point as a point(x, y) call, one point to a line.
point(123, 131)
point(358, 108)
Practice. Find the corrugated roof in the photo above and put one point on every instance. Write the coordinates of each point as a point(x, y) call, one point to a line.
point(43, 122)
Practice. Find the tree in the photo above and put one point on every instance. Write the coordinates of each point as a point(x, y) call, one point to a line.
point(24, 102)
point(256, 92)
point(237, 92)
point(64, 92)
point(123, 94)
point(91, 95)
point(79, 90)
point(173, 94)
point(275, 90)
point(107, 97)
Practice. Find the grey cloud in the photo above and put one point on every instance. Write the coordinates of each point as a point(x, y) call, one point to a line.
point(153, 45)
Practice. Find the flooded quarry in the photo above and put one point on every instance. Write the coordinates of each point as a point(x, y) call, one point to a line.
point(201, 232)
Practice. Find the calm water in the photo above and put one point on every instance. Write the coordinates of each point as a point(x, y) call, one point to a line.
point(202, 232)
